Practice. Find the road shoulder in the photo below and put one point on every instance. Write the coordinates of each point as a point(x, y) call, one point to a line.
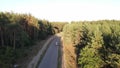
point(33, 63)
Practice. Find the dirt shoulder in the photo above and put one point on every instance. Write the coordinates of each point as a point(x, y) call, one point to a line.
point(32, 53)
point(68, 55)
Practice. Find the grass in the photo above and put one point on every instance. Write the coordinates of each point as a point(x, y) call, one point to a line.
point(30, 53)
point(70, 56)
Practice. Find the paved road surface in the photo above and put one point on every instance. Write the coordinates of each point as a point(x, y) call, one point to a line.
point(50, 58)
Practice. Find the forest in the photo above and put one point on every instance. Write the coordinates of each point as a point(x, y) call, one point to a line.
point(97, 43)
point(20, 31)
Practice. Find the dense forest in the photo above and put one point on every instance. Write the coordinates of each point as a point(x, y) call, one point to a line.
point(97, 43)
point(20, 31)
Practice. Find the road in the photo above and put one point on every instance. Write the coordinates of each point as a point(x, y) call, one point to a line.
point(51, 56)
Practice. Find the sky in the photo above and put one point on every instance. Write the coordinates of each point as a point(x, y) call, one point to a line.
point(65, 10)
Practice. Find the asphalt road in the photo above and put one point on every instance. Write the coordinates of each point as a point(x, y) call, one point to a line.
point(51, 56)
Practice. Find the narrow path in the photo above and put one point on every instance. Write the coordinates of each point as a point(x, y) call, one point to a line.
point(50, 58)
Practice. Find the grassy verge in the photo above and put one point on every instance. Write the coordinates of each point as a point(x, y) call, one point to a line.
point(30, 52)
point(70, 56)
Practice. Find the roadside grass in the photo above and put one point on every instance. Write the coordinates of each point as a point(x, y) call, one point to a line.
point(30, 52)
point(70, 56)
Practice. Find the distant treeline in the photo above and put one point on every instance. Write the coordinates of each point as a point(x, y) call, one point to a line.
point(97, 43)
point(18, 31)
